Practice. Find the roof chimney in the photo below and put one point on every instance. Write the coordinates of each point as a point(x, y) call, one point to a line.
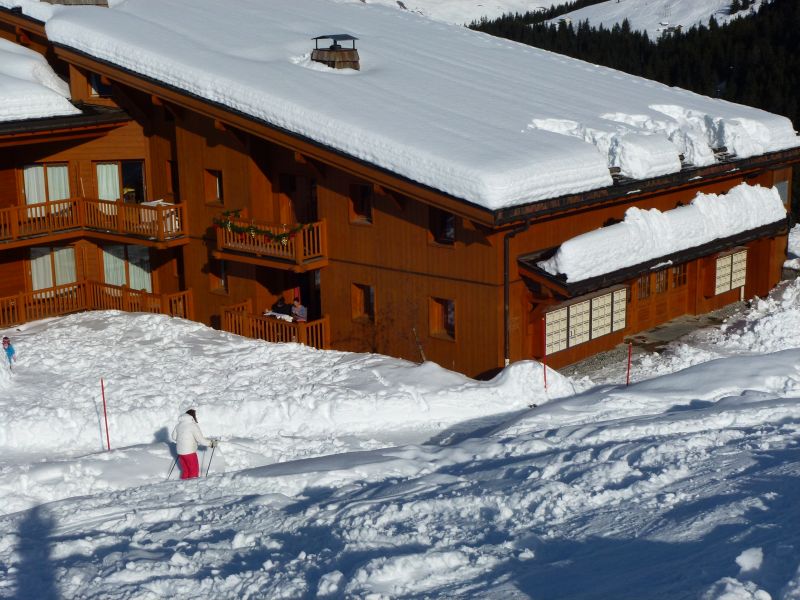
point(335, 56)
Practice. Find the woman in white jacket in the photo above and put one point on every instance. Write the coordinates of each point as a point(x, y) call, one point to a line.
point(188, 435)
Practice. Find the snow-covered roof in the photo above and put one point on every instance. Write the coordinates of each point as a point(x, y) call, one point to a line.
point(29, 88)
point(649, 234)
point(487, 120)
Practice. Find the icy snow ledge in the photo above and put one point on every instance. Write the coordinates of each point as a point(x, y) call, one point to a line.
point(648, 234)
point(29, 88)
point(642, 146)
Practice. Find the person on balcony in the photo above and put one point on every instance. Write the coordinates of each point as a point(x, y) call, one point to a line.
point(187, 434)
point(280, 307)
point(299, 312)
point(11, 354)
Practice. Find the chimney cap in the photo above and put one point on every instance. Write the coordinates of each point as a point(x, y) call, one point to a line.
point(335, 38)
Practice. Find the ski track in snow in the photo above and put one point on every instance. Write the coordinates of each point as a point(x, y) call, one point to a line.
point(591, 495)
point(681, 485)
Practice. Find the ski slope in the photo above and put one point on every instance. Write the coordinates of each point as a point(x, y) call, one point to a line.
point(359, 476)
point(658, 16)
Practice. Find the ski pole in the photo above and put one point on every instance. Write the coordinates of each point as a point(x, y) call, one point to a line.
point(171, 469)
point(214, 447)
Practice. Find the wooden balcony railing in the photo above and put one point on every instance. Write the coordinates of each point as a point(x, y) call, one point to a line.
point(157, 222)
point(90, 295)
point(239, 319)
point(307, 245)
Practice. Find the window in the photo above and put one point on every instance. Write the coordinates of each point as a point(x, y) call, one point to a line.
point(42, 183)
point(52, 267)
point(580, 315)
point(443, 318)
point(442, 226)
point(731, 272)
point(120, 179)
point(218, 276)
point(643, 287)
point(555, 323)
point(662, 281)
point(213, 187)
point(363, 302)
point(360, 204)
point(127, 265)
point(583, 320)
point(100, 87)
point(678, 276)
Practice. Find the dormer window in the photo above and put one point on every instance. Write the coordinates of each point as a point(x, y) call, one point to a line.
point(100, 86)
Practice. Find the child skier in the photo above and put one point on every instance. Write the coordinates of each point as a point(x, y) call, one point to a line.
point(11, 354)
point(187, 434)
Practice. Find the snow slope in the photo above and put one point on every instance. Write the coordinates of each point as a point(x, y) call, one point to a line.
point(420, 482)
point(655, 16)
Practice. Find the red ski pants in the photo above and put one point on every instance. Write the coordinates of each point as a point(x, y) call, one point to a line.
point(190, 468)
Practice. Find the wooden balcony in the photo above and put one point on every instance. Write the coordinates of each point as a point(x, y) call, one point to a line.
point(90, 295)
point(305, 250)
point(239, 319)
point(149, 224)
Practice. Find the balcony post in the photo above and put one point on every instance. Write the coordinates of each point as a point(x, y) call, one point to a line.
point(21, 312)
point(119, 206)
point(160, 223)
point(15, 223)
point(323, 237)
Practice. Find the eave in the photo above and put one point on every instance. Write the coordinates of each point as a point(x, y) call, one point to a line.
point(94, 121)
point(632, 190)
point(562, 288)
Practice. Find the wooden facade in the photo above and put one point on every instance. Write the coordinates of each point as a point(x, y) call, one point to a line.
point(383, 264)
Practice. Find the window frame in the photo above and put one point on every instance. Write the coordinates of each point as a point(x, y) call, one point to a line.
point(121, 178)
point(127, 261)
point(45, 166)
point(213, 187)
point(661, 281)
point(442, 318)
point(98, 89)
point(362, 301)
point(438, 227)
point(218, 281)
point(362, 205)
point(643, 287)
point(679, 276)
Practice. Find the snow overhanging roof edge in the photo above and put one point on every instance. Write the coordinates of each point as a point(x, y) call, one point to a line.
point(527, 262)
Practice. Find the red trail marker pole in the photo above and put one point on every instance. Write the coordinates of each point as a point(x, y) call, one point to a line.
point(630, 353)
point(105, 412)
point(544, 353)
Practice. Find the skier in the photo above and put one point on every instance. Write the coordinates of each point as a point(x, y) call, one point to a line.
point(187, 434)
point(11, 354)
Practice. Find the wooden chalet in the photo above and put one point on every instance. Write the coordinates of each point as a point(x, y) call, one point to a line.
point(154, 198)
